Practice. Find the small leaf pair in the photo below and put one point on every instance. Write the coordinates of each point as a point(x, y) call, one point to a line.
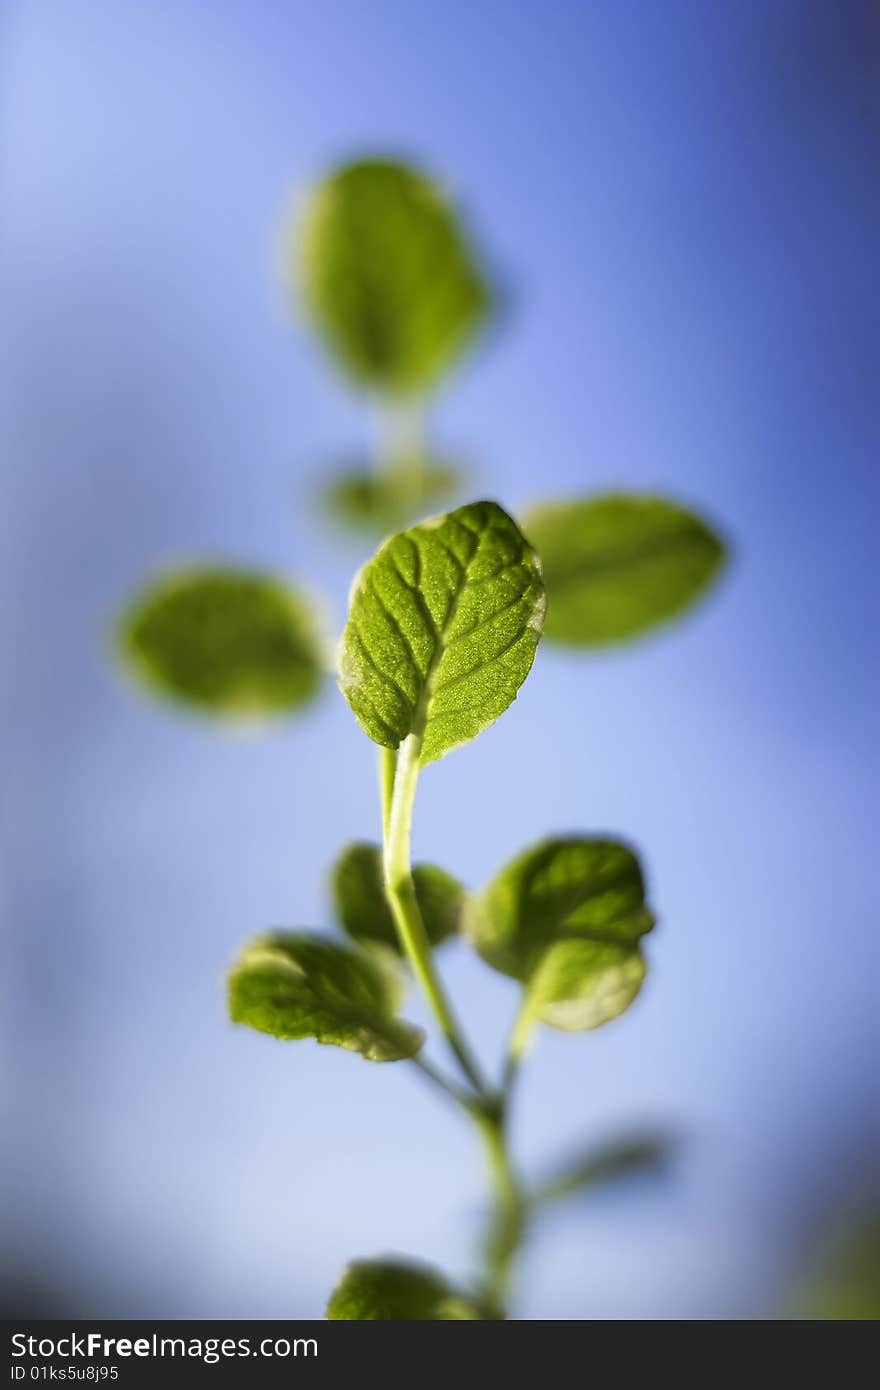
point(362, 906)
point(376, 502)
point(304, 985)
point(565, 917)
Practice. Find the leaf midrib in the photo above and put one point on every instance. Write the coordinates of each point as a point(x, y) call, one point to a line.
point(420, 712)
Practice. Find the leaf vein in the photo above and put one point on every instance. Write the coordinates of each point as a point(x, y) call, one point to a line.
point(484, 622)
point(404, 637)
point(479, 666)
point(383, 674)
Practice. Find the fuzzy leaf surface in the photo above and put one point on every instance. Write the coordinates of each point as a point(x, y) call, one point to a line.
point(442, 629)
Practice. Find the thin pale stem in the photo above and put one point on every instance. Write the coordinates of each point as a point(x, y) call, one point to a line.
point(405, 910)
point(493, 1130)
point(519, 1041)
point(399, 773)
point(442, 1083)
point(401, 450)
point(387, 771)
point(507, 1226)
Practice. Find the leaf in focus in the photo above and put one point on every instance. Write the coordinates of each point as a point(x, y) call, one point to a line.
point(362, 907)
point(389, 277)
point(565, 917)
point(442, 629)
point(300, 985)
point(382, 502)
point(616, 566)
point(230, 642)
point(395, 1290)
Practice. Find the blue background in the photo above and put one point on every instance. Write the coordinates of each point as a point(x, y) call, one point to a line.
point(682, 200)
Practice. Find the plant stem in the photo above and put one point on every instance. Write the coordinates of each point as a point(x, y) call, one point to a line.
point(442, 1083)
point(398, 779)
point(519, 1040)
point(493, 1130)
point(507, 1224)
point(387, 771)
point(401, 452)
point(405, 908)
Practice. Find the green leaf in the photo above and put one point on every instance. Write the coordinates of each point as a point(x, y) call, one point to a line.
point(565, 917)
point(382, 502)
point(230, 642)
point(634, 1156)
point(582, 984)
point(362, 907)
point(570, 887)
point(395, 1290)
point(299, 985)
point(616, 566)
point(442, 629)
point(389, 277)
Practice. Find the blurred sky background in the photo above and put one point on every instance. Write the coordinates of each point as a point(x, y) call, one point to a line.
point(682, 200)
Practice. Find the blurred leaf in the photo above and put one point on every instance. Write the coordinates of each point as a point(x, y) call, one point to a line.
point(844, 1284)
point(298, 985)
point(568, 887)
point(362, 907)
point(616, 566)
point(509, 1228)
point(230, 642)
point(442, 629)
point(582, 984)
point(379, 502)
point(395, 1290)
point(389, 277)
point(635, 1156)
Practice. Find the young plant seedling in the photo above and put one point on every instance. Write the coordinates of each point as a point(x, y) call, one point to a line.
point(441, 633)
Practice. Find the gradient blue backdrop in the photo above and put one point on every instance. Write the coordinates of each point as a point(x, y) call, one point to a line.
point(682, 200)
